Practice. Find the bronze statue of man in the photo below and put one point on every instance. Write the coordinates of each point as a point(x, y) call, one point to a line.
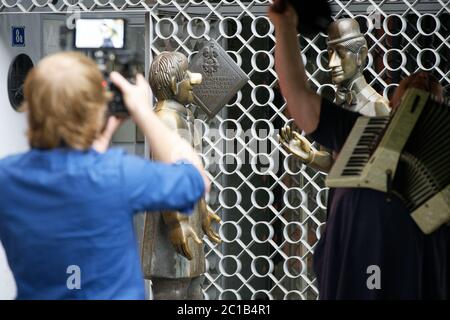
point(347, 52)
point(172, 254)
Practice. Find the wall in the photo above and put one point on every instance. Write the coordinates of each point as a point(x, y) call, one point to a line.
point(12, 123)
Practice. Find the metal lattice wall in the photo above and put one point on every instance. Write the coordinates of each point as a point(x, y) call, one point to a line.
point(273, 208)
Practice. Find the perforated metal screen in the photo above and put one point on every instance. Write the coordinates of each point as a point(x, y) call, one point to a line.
point(273, 208)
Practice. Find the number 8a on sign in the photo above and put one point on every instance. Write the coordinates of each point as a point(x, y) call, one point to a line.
point(18, 36)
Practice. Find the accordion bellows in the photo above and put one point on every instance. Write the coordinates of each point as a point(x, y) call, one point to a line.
point(407, 154)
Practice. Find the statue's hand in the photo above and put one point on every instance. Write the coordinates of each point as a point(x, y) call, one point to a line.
point(208, 217)
point(179, 234)
point(296, 144)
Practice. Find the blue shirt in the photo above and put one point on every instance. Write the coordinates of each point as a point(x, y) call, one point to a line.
point(66, 219)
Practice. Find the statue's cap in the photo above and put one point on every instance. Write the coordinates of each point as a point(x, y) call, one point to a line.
point(342, 30)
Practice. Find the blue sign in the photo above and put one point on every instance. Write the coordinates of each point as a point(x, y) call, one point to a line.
point(18, 36)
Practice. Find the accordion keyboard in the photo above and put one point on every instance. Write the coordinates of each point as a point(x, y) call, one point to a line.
point(355, 154)
point(405, 154)
point(365, 145)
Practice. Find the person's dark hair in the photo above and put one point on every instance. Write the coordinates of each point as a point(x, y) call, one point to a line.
point(65, 101)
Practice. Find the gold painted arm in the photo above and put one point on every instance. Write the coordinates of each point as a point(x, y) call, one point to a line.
point(299, 146)
point(321, 160)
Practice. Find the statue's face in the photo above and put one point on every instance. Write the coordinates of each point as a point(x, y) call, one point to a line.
point(343, 63)
point(184, 89)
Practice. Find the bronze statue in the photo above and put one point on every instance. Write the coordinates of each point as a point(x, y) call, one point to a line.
point(172, 255)
point(347, 51)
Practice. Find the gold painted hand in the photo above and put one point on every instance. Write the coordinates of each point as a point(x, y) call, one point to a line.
point(299, 146)
point(296, 144)
point(208, 217)
point(179, 234)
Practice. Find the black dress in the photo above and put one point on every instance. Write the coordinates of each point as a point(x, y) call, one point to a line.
point(367, 236)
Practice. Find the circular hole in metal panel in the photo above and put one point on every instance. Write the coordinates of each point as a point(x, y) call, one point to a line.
point(230, 129)
point(262, 198)
point(262, 266)
point(229, 197)
point(262, 232)
point(294, 198)
point(428, 59)
point(166, 28)
point(394, 25)
point(230, 163)
point(262, 95)
point(262, 164)
point(293, 232)
point(230, 27)
point(428, 24)
point(262, 129)
point(294, 267)
point(394, 59)
point(262, 61)
point(229, 266)
point(198, 28)
point(261, 27)
point(229, 231)
point(292, 165)
point(17, 73)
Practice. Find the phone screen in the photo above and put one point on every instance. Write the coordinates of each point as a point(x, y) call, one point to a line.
point(100, 34)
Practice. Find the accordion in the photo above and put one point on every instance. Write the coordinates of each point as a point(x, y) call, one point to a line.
point(406, 154)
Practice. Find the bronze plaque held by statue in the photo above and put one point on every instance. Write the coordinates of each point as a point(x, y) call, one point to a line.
point(222, 78)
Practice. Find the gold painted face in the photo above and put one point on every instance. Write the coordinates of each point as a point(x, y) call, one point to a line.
point(184, 89)
point(343, 63)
